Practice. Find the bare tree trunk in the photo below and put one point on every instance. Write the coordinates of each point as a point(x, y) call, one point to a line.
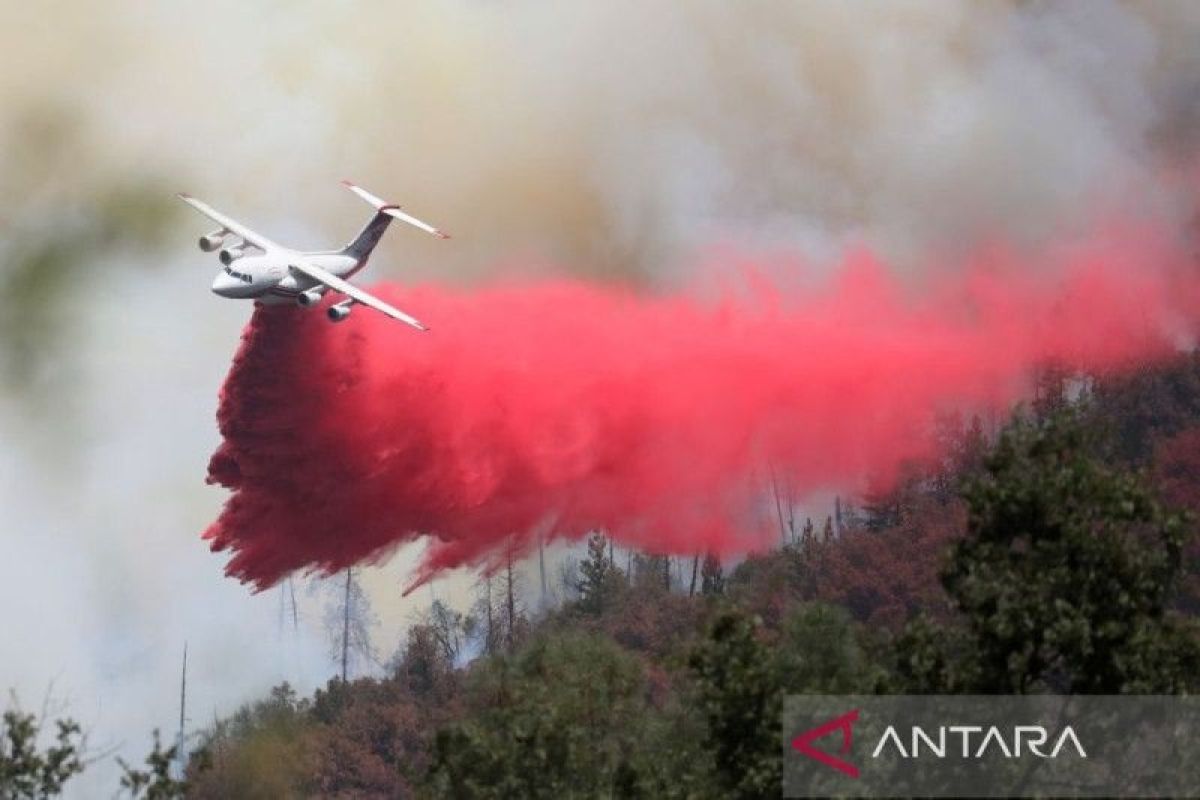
point(791, 515)
point(346, 628)
point(667, 573)
point(511, 605)
point(542, 566)
point(295, 614)
point(611, 561)
point(778, 506)
point(695, 567)
point(180, 758)
point(489, 643)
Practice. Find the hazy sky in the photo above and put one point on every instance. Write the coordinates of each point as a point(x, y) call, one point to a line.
point(616, 140)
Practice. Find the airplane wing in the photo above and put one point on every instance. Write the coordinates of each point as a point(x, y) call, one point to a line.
point(353, 292)
point(233, 226)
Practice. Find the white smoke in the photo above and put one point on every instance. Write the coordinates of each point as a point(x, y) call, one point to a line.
point(615, 139)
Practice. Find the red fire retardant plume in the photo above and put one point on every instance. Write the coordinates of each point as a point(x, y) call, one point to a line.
point(575, 407)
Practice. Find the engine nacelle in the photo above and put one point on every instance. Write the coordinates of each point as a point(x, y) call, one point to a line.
point(212, 241)
point(230, 254)
point(309, 298)
point(339, 312)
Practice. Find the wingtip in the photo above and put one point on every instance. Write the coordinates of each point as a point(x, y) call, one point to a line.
point(183, 195)
point(348, 184)
point(441, 234)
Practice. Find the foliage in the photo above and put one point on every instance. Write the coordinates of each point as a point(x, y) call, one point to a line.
point(884, 577)
point(822, 650)
point(741, 700)
point(155, 783)
point(742, 678)
point(426, 667)
point(372, 738)
point(1141, 407)
point(259, 752)
point(651, 572)
point(559, 719)
point(1039, 563)
point(30, 771)
point(1065, 577)
point(1176, 473)
point(450, 630)
point(887, 576)
point(712, 576)
point(600, 583)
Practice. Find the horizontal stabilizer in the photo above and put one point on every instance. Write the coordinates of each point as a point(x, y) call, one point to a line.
point(391, 210)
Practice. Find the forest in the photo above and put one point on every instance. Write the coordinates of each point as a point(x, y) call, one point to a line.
point(1053, 554)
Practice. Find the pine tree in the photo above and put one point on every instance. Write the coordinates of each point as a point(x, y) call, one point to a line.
point(741, 698)
point(652, 573)
point(448, 628)
point(809, 537)
point(712, 576)
point(510, 604)
point(600, 581)
point(485, 613)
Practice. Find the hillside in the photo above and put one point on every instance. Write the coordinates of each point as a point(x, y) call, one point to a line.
point(1051, 556)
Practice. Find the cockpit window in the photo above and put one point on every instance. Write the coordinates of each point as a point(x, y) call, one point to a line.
point(241, 276)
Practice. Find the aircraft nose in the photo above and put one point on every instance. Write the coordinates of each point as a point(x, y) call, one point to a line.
point(224, 285)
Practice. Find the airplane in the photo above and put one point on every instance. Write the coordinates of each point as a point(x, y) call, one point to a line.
point(255, 268)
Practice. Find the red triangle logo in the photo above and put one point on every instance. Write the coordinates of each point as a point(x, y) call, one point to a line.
point(845, 724)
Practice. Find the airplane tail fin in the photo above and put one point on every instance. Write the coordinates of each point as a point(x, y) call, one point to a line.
point(385, 212)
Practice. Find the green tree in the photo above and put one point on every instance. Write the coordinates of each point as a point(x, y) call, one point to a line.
point(30, 771)
point(741, 698)
point(1064, 579)
point(600, 581)
point(821, 650)
point(1145, 405)
point(262, 750)
point(155, 783)
point(712, 576)
point(741, 679)
point(425, 667)
point(808, 536)
point(561, 718)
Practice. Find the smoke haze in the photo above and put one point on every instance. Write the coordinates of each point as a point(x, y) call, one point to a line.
point(613, 138)
point(613, 142)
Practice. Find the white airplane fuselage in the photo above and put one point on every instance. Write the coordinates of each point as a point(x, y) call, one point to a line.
point(256, 268)
point(268, 279)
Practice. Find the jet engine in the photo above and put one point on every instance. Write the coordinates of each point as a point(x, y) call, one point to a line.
point(339, 312)
point(230, 254)
point(309, 298)
point(212, 241)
